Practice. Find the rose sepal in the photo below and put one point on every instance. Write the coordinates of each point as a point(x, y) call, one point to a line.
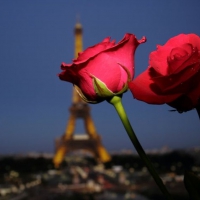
point(83, 97)
point(103, 91)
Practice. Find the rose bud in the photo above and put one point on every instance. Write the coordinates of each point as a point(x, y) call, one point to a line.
point(103, 70)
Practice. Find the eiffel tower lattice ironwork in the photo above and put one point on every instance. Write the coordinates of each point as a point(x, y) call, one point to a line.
point(91, 140)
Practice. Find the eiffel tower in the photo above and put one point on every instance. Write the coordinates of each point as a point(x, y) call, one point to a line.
point(90, 141)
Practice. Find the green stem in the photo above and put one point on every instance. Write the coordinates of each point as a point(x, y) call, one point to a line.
point(116, 102)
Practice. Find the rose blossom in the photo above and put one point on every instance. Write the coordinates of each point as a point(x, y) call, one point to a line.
point(103, 70)
point(173, 75)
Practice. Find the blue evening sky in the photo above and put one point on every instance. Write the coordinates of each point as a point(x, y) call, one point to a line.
point(36, 36)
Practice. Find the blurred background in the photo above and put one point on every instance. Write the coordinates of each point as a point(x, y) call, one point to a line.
point(36, 36)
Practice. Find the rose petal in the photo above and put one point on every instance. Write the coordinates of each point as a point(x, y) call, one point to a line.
point(194, 40)
point(94, 50)
point(175, 82)
point(194, 93)
point(144, 89)
point(101, 67)
point(178, 56)
point(180, 39)
point(158, 60)
point(86, 86)
point(177, 65)
point(182, 104)
point(69, 73)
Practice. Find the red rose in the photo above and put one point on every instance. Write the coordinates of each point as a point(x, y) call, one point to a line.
point(103, 70)
point(173, 75)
